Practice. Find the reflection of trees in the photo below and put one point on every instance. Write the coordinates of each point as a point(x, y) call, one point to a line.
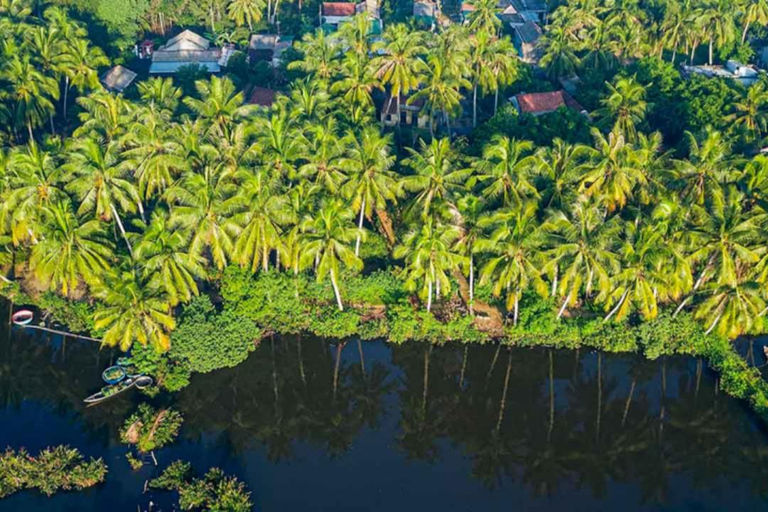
point(289, 390)
point(545, 419)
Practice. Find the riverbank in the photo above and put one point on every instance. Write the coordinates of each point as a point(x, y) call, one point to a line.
point(218, 330)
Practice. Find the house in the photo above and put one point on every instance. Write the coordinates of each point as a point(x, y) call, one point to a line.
point(410, 114)
point(268, 47)
point(526, 41)
point(118, 79)
point(262, 97)
point(187, 49)
point(531, 10)
point(425, 11)
point(744, 74)
point(540, 103)
point(332, 14)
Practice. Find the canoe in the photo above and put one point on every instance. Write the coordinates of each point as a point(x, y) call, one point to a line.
point(113, 374)
point(22, 317)
point(140, 381)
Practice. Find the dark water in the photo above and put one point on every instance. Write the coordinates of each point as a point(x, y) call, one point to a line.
point(448, 428)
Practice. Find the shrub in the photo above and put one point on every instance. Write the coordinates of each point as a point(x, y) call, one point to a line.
point(209, 341)
point(54, 469)
point(214, 491)
point(169, 372)
point(149, 429)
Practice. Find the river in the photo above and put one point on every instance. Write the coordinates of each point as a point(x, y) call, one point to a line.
point(412, 427)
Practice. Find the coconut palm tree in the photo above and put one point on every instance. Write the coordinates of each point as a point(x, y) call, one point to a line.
point(437, 179)
point(708, 168)
point(277, 143)
point(80, 61)
point(750, 112)
point(733, 309)
point(502, 65)
point(440, 92)
point(160, 92)
point(516, 250)
point(324, 153)
point(31, 94)
point(612, 173)
point(264, 216)
point(134, 312)
point(472, 224)
point(399, 62)
point(482, 75)
point(505, 170)
point(560, 166)
point(624, 107)
point(325, 242)
point(104, 115)
point(101, 183)
point(166, 264)
point(218, 107)
point(69, 253)
point(756, 12)
point(430, 259)
point(204, 203)
point(34, 182)
point(245, 12)
point(581, 256)
point(558, 55)
point(483, 17)
point(320, 52)
point(153, 152)
point(652, 271)
point(371, 185)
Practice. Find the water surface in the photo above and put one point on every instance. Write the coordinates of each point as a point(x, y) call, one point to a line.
point(412, 427)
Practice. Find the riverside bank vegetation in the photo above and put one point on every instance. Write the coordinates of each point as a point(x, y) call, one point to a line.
point(640, 227)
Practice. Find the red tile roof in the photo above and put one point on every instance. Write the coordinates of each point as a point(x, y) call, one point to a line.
point(467, 7)
point(262, 96)
point(543, 102)
point(338, 9)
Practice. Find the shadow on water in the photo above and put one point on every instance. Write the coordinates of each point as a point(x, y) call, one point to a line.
point(309, 424)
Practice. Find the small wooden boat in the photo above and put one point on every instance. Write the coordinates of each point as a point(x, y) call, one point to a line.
point(22, 317)
point(113, 374)
point(140, 381)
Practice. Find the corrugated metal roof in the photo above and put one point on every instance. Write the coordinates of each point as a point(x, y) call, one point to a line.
point(173, 67)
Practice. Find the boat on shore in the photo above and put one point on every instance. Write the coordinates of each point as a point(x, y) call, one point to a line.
point(139, 381)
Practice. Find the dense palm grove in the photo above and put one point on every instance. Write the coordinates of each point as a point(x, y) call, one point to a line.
point(149, 199)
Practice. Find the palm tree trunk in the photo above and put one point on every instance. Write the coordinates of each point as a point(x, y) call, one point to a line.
point(674, 54)
point(551, 396)
point(471, 280)
point(503, 401)
point(386, 110)
point(360, 227)
point(429, 295)
point(463, 366)
point(711, 44)
point(66, 94)
point(474, 106)
point(562, 308)
point(264, 253)
point(386, 225)
point(29, 129)
point(122, 230)
point(339, 348)
point(693, 50)
point(362, 356)
point(717, 319)
point(517, 307)
point(618, 305)
point(554, 280)
point(336, 291)
point(744, 34)
point(629, 401)
point(141, 211)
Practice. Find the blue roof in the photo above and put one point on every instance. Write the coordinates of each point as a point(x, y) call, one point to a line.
point(173, 66)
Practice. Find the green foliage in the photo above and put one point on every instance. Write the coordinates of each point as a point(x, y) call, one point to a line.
point(169, 373)
point(209, 341)
point(76, 315)
point(123, 18)
point(564, 123)
point(135, 463)
point(214, 491)
point(53, 469)
point(150, 429)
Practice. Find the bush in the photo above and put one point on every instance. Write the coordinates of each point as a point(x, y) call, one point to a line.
point(209, 341)
point(214, 491)
point(54, 469)
point(169, 373)
point(149, 429)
